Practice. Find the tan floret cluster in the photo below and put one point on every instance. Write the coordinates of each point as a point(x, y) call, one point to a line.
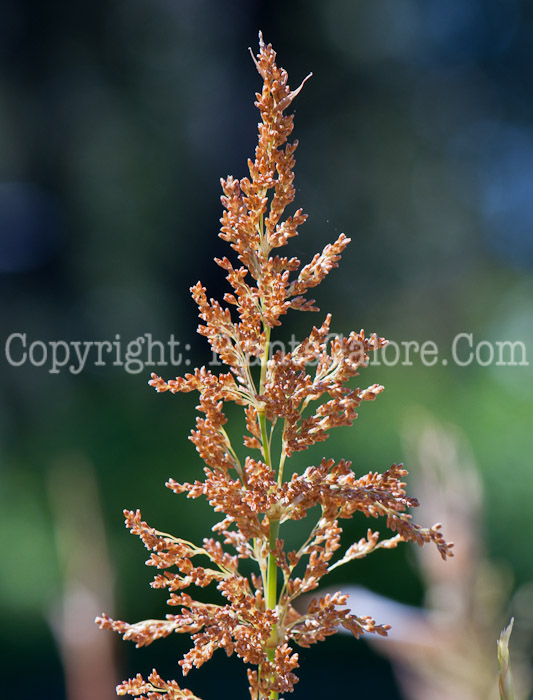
point(305, 393)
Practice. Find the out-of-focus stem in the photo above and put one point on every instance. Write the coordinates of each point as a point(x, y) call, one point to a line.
point(505, 680)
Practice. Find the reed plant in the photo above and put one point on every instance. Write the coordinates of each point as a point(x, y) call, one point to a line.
point(298, 396)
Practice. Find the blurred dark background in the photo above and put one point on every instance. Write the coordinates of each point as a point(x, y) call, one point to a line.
point(117, 119)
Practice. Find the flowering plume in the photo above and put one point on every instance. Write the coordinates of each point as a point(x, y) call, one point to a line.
point(305, 392)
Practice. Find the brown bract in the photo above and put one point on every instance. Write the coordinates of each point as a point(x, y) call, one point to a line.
point(291, 403)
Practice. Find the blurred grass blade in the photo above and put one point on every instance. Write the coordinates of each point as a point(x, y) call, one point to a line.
point(505, 679)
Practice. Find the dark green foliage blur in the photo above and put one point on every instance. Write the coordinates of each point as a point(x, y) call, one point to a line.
point(117, 119)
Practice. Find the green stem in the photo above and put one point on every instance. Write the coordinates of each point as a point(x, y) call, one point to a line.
point(272, 569)
point(264, 438)
point(280, 469)
point(261, 411)
point(272, 593)
point(238, 467)
point(271, 588)
point(264, 359)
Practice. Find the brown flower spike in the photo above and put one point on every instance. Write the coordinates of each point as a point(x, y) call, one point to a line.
point(305, 393)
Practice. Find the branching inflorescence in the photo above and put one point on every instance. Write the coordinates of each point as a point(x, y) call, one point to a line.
point(256, 618)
